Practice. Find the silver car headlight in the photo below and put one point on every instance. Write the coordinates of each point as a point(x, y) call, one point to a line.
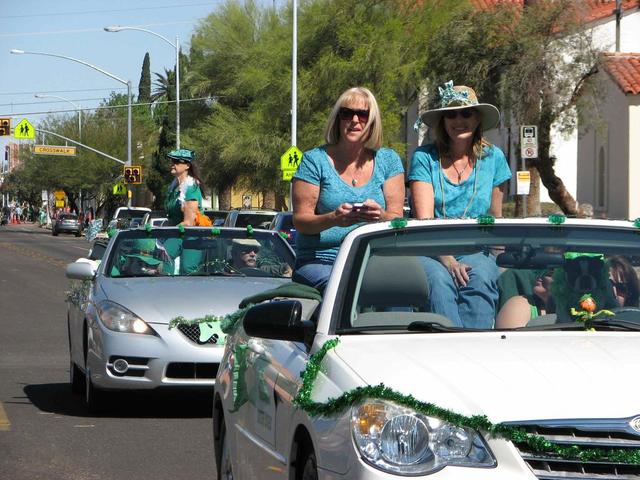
point(399, 440)
point(117, 318)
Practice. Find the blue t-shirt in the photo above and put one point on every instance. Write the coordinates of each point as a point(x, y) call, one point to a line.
point(317, 169)
point(490, 171)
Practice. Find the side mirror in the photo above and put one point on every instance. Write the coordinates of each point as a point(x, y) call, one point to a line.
point(82, 270)
point(279, 320)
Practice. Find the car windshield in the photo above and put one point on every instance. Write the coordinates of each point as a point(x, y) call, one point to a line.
point(254, 219)
point(199, 252)
point(68, 217)
point(515, 277)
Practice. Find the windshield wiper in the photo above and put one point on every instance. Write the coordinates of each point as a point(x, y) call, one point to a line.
point(609, 323)
point(422, 326)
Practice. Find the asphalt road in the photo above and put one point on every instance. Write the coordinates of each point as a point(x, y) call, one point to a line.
point(46, 431)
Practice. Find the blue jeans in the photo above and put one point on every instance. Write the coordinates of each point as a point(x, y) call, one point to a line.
point(314, 273)
point(471, 306)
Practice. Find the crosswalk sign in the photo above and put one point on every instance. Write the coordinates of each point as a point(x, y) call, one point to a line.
point(24, 130)
point(120, 189)
point(291, 159)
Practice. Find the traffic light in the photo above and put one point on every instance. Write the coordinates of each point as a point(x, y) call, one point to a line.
point(132, 175)
point(5, 126)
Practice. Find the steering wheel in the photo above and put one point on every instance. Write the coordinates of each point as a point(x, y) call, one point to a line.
point(253, 272)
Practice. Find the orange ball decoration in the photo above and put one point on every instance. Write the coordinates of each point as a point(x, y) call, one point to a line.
point(588, 304)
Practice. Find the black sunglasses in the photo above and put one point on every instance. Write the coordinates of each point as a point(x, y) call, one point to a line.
point(621, 287)
point(347, 114)
point(247, 250)
point(464, 113)
point(176, 161)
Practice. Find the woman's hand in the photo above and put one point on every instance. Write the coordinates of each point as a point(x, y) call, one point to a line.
point(459, 271)
point(345, 216)
point(371, 211)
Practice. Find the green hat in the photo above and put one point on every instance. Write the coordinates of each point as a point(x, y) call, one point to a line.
point(182, 154)
point(142, 249)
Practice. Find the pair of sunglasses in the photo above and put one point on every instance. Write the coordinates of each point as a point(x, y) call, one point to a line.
point(176, 161)
point(244, 251)
point(464, 113)
point(347, 114)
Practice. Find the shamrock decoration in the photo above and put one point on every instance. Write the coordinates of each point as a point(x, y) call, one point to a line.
point(209, 330)
point(588, 306)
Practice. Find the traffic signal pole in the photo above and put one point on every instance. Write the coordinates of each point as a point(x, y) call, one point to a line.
point(81, 145)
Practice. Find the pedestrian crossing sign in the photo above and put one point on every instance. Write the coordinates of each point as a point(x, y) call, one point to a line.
point(119, 189)
point(24, 130)
point(291, 159)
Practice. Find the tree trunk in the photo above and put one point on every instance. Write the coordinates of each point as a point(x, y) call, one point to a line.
point(533, 199)
point(269, 199)
point(281, 203)
point(224, 198)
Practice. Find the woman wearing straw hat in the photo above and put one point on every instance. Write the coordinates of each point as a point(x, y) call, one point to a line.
point(460, 175)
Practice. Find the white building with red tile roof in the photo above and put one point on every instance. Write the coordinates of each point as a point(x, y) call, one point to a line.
point(609, 153)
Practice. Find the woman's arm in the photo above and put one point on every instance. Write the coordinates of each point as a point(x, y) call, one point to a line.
point(305, 219)
point(189, 213)
point(422, 197)
point(497, 195)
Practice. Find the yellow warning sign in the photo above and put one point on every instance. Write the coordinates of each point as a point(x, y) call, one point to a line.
point(54, 150)
point(291, 159)
point(59, 194)
point(288, 175)
point(119, 189)
point(24, 130)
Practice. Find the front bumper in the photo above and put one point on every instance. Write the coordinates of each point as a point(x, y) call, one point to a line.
point(168, 359)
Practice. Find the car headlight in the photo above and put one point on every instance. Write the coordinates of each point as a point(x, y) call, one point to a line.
point(399, 440)
point(117, 318)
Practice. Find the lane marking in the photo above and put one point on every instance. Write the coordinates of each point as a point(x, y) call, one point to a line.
point(5, 424)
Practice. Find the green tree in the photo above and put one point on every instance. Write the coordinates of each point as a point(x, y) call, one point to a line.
point(144, 87)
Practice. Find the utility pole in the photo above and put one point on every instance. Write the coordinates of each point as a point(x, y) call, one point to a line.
point(618, 12)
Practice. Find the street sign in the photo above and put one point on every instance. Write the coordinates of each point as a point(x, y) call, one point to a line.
point(59, 194)
point(246, 201)
point(24, 130)
point(529, 141)
point(59, 203)
point(290, 160)
point(132, 174)
point(5, 126)
point(523, 182)
point(119, 189)
point(54, 150)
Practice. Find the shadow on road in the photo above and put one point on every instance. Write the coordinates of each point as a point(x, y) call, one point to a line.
point(57, 398)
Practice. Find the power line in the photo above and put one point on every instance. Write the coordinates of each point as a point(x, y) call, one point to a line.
point(89, 12)
point(86, 30)
point(107, 107)
point(65, 91)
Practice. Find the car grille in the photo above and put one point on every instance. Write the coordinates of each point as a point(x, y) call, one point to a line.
point(192, 332)
point(616, 433)
point(192, 370)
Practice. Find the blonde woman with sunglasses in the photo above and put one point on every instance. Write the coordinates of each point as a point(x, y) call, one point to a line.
point(460, 175)
point(346, 182)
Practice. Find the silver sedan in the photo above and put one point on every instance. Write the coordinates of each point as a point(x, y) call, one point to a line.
point(135, 316)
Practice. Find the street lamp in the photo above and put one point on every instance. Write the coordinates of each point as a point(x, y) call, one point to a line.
point(126, 82)
point(118, 28)
point(77, 107)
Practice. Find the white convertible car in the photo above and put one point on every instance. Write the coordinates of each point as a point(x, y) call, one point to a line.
point(393, 375)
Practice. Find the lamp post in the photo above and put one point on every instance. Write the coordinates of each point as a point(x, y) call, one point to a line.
point(77, 107)
point(176, 46)
point(111, 75)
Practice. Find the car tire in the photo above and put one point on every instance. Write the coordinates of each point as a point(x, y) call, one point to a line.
point(309, 470)
point(93, 397)
point(78, 234)
point(76, 378)
point(224, 467)
point(54, 233)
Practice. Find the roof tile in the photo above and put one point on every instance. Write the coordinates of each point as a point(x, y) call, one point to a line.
point(594, 9)
point(624, 69)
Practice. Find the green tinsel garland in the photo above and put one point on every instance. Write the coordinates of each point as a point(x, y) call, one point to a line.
point(518, 435)
point(227, 322)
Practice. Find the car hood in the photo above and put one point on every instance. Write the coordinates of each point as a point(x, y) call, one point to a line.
point(506, 376)
point(160, 299)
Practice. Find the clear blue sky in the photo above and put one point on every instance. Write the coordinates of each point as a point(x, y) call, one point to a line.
point(74, 28)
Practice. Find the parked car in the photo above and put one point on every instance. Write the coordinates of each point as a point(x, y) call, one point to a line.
point(255, 218)
point(283, 223)
point(119, 311)
point(67, 223)
point(217, 216)
point(124, 216)
point(373, 383)
point(153, 214)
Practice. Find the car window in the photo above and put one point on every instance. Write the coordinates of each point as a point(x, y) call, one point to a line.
point(199, 253)
point(517, 277)
point(258, 220)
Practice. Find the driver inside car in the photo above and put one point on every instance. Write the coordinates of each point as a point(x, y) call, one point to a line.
point(244, 253)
